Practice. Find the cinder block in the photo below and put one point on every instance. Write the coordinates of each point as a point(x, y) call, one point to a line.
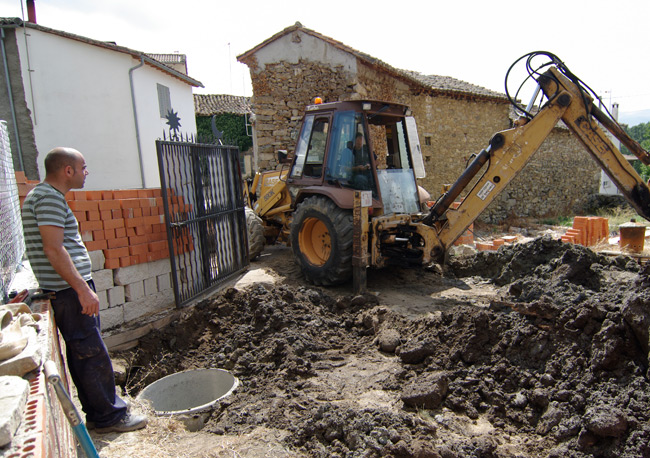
point(97, 260)
point(164, 282)
point(115, 296)
point(103, 279)
point(150, 286)
point(131, 274)
point(103, 300)
point(148, 305)
point(112, 317)
point(134, 291)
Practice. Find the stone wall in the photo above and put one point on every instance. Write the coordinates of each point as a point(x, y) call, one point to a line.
point(22, 112)
point(281, 92)
point(557, 181)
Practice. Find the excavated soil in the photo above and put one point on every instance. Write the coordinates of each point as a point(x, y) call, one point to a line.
point(539, 349)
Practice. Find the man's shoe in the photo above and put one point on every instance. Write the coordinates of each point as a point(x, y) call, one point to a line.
point(130, 422)
point(90, 425)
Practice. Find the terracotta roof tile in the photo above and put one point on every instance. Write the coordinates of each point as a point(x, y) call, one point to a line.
point(211, 104)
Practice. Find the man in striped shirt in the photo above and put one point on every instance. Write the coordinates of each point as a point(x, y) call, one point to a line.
point(62, 266)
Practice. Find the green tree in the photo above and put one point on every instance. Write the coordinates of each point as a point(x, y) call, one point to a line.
point(233, 127)
point(640, 133)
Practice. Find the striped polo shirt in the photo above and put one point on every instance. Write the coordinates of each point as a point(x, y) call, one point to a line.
point(46, 206)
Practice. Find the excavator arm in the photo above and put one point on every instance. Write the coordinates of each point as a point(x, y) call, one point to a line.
point(510, 150)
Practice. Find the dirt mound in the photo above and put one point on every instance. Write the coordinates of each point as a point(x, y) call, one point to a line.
point(556, 365)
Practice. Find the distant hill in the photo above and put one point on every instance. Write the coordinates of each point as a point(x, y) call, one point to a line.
point(632, 118)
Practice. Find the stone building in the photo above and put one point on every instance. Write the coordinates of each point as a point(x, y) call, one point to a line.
point(455, 119)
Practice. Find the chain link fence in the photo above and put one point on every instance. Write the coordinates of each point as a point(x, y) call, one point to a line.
point(12, 243)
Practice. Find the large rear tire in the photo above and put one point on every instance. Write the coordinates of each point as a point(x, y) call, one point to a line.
point(321, 239)
point(256, 237)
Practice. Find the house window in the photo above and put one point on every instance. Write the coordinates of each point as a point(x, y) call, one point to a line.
point(164, 100)
point(427, 141)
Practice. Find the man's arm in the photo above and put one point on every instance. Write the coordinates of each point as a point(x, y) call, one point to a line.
point(60, 259)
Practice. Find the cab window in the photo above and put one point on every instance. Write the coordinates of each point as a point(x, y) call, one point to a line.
point(310, 150)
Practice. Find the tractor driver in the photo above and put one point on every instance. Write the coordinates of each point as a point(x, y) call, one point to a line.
point(359, 163)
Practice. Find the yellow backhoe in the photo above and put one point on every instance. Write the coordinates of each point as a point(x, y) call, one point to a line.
point(372, 146)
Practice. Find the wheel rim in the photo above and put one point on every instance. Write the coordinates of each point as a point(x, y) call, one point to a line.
point(315, 241)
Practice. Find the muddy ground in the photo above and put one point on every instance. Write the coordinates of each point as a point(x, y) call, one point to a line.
point(539, 349)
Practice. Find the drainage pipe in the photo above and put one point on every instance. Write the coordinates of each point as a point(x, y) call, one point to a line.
point(12, 107)
point(135, 118)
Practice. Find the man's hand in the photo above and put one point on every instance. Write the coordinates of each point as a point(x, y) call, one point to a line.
point(89, 302)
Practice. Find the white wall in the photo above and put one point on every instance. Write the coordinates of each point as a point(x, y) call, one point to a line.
point(80, 97)
point(291, 49)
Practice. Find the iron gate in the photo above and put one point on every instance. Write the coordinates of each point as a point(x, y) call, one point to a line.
point(204, 212)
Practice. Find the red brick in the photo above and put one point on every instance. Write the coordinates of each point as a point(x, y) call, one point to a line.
point(140, 230)
point(90, 226)
point(20, 177)
point(134, 222)
point(156, 192)
point(93, 195)
point(126, 194)
point(120, 232)
point(129, 203)
point(125, 261)
point(130, 232)
point(106, 214)
point(81, 216)
point(107, 195)
point(116, 252)
point(116, 214)
point(112, 263)
point(79, 195)
point(137, 212)
point(93, 215)
point(83, 205)
point(109, 234)
point(136, 250)
point(96, 246)
point(118, 243)
point(109, 205)
point(113, 223)
point(137, 239)
point(99, 235)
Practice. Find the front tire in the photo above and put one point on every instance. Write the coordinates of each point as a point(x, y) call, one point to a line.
point(321, 240)
point(256, 238)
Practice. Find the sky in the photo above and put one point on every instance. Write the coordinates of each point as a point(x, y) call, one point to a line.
point(605, 43)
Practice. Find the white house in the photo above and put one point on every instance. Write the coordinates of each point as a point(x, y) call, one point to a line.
point(108, 101)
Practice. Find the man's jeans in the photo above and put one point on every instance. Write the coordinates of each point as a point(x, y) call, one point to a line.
point(88, 360)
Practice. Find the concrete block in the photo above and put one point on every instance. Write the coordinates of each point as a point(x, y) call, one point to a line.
point(134, 291)
point(148, 304)
point(97, 260)
point(26, 361)
point(103, 279)
point(150, 286)
point(139, 272)
point(13, 398)
point(164, 282)
point(112, 317)
point(115, 296)
point(103, 300)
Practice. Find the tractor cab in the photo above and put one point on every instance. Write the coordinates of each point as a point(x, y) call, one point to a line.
point(359, 145)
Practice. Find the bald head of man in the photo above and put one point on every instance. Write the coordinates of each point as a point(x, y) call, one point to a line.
point(66, 167)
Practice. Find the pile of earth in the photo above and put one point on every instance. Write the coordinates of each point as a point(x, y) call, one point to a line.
point(557, 365)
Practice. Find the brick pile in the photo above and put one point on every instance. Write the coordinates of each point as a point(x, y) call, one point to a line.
point(587, 231)
point(124, 232)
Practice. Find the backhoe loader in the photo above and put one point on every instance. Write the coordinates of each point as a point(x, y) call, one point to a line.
point(373, 146)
